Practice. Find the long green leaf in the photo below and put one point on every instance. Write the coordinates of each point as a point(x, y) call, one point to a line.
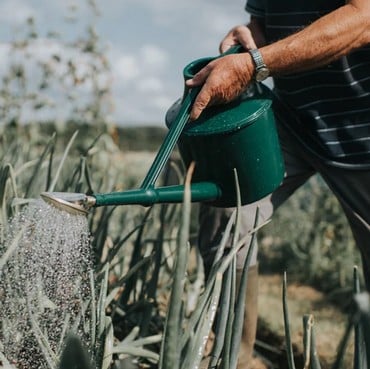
point(240, 303)
point(108, 343)
point(359, 357)
point(12, 247)
point(61, 164)
point(307, 331)
point(49, 355)
point(101, 306)
point(36, 172)
point(170, 350)
point(222, 320)
point(315, 362)
point(197, 352)
point(93, 321)
point(288, 340)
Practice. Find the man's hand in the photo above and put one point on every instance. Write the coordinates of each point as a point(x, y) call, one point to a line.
point(239, 35)
point(223, 80)
point(226, 78)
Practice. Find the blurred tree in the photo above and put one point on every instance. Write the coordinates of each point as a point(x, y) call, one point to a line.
point(51, 78)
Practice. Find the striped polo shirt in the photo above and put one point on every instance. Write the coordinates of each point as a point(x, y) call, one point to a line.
point(332, 103)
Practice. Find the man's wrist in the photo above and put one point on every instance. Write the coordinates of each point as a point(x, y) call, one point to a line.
point(261, 71)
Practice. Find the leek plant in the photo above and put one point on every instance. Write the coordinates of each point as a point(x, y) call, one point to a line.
point(138, 310)
point(24, 173)
point(358, 321)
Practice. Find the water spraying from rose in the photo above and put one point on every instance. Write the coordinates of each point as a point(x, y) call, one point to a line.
point(45, 262)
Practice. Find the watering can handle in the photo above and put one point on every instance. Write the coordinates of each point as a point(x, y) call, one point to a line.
point(175, 130)
point(234, 49)
point(170, 140)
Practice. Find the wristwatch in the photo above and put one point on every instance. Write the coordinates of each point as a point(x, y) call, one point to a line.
point(261, 71)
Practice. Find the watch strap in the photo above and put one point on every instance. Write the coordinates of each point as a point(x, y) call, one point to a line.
point(261, 71)
point(257, 58)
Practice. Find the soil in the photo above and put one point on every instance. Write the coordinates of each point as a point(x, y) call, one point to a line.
point(329, 324)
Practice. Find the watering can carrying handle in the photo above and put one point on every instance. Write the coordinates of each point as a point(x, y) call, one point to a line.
point(175, 130)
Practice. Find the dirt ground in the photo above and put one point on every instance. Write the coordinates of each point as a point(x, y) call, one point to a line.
point(329, 323)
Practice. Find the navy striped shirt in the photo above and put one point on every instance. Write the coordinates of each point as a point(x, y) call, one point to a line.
point(331, 102)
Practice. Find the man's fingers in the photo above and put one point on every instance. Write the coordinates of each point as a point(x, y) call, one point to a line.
point(247, 41)
point(199, 78)
point(225, 45)
point(200, 103)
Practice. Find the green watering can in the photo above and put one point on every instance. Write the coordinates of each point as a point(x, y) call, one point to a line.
point(240, 135)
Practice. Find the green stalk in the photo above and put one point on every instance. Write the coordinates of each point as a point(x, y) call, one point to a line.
point(240, 304)
point(307, 331)
point(288, 340)
point(231, 348)
point(225, 359)
point(219, 267)
point(12, 247)
point(93, 311)
point(64, 157)
point(137, 352)
point(101, 323)
point(66, 323)
point(222, 319)
point(362, 316)
point(7, 174)
point(49, 355)
point(343, 345)
point(202, 334)
point(359, 359)
point(170, 350)
point(315, 363)
point(108, 343)
point(36, 170)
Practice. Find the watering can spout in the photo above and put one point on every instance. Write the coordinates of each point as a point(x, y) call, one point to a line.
point(77, 203)
point(202, 191)
point(73, 203)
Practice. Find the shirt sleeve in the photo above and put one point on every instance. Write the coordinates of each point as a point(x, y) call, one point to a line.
point(255, 8)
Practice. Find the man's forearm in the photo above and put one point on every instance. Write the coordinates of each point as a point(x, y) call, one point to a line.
point(320, 43)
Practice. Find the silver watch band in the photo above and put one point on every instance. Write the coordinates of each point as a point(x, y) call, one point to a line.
point(257, 58)
point(261, 72)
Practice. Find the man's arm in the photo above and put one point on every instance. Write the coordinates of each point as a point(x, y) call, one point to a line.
point(325, 40)
point(322, 42)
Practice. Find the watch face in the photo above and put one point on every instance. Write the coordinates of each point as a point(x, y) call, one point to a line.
point(262, 74)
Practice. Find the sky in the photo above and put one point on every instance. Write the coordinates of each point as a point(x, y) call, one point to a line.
point(148, 43)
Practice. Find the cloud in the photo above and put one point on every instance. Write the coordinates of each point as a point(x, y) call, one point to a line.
point(150, 85)
point(125, 68)
point(139, 83)
point(162, 102)
point(4, 54)
point(147, 61)
point(153, 57)
point(15, 12)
